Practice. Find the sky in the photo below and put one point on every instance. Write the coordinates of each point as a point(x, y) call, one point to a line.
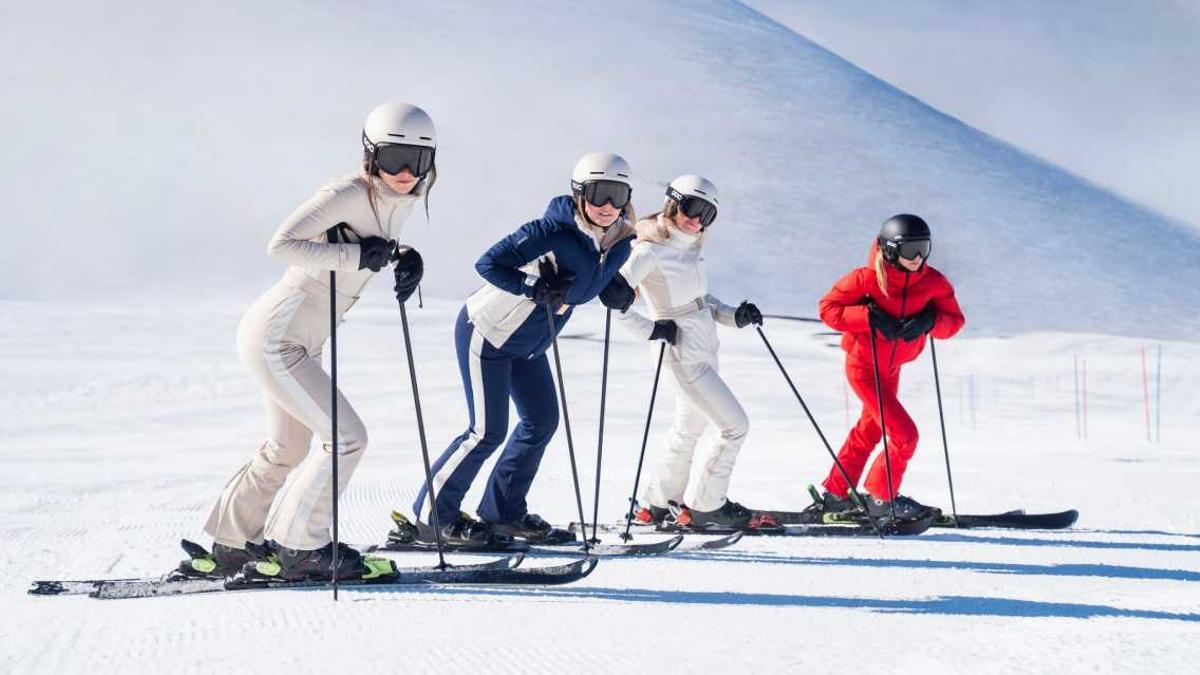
point(1108, 89)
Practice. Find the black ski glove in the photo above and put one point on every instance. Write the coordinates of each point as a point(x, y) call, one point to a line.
point(887, 325)
point(617, 294)
point(746, 314)
point(375, 252)
point(551, 287)
point(665, 329)
point(408, 270)
point(918, 324)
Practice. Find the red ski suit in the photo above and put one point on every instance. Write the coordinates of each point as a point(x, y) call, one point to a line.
point(844, 309)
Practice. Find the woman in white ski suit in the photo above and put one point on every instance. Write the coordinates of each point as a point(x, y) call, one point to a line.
point(668, 269)
point(282, 335)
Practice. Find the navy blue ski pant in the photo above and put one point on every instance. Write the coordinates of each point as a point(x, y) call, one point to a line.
point(490, 378)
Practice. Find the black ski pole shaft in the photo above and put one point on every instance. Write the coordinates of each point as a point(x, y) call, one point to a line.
point(333, 404)
point(412, 375)
point(562, 394)
point(887, 460)
point(937, 384)
point(817, 427)
point(600, 437)
point(420, 300)
point(637, 477)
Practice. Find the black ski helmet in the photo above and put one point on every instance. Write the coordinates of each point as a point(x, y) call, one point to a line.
point(901, 229)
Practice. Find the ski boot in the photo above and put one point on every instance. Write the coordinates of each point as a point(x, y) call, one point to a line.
point(533, 529)
point(304, 564)
point(731, 516)
point(907, 509)
point(466, 532)
point(650, 515)
point(224, 561)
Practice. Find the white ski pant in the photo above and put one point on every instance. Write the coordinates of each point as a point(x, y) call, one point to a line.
point(280, 341)
point(701, 396)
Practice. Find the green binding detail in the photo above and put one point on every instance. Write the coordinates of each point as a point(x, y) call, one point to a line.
point(399, 518)
point(204, 565)
point(267, 568)
point(816, 496)
point(377, 567)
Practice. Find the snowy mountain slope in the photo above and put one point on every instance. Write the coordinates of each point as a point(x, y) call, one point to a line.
point(1105, 89)
point(122, 425)
point(204, 126)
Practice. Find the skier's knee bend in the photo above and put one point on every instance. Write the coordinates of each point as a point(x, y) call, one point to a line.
point(352, 439)
point(737, 428)
point(540, 429)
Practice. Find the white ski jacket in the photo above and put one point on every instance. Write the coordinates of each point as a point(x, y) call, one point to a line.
point(672, 278)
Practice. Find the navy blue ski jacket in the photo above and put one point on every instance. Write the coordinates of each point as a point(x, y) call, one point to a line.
point(502, 310)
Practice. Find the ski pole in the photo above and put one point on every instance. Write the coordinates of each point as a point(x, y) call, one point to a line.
point(645, 437)
point(937, 385)
point(854, 496)
point(887, 460)
point(412, 375)
point(600, 438)
point(333, 398)
point(562, 394)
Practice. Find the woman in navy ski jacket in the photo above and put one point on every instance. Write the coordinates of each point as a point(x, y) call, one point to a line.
point(567, 257)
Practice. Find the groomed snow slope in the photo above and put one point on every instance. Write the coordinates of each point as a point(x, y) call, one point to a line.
point(122, 425)
point(150, 138)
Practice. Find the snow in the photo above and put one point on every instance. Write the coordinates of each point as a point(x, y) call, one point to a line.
point(123, 422)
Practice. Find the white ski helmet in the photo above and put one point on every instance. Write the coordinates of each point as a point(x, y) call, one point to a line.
point(600, 166)
point(696, 196)
point(401, 123)
point(691, 185)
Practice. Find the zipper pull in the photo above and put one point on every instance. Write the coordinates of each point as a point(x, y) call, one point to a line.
point(603, 257)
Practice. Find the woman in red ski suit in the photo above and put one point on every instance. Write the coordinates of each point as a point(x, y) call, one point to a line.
point(895, 293)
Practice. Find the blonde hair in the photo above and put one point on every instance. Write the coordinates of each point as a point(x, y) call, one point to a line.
point(881, 272)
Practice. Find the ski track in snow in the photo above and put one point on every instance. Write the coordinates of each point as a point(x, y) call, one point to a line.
point(104, 486)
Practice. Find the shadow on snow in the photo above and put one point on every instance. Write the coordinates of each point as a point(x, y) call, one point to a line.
point(953, 605)
point(1062, 569)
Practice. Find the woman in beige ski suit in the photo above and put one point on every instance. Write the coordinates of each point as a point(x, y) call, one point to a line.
point(350, 227)
point(668, 269)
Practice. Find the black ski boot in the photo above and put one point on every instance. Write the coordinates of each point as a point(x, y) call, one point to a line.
point(466, 532)
point(223, 561)
point(533, 529)
point(907, 509)
point(302, 564)
point(731, 515)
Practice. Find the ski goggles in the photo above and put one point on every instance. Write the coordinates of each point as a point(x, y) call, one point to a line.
point(601, 192)
point(910, 250)
point(393, 158)
point(695, 207)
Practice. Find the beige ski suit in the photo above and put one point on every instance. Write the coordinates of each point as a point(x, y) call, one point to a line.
point(280, 340)
point(667, 267)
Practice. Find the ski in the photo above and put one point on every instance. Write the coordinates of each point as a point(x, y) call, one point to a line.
point(574, 547)
point(484, 574)
point(1017, 519)
point(176, 580)
point(714, 542)
point(69, 586)
point(848, 529)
